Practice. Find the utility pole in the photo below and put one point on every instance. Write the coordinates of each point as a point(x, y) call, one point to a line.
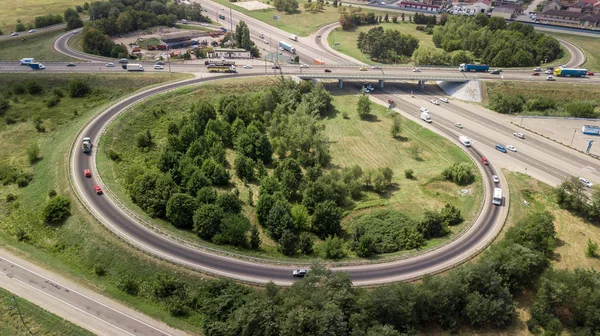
point(573, 138)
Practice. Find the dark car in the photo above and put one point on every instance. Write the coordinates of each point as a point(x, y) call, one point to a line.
point(160, 63)
point(495, 72)
point(276, 67)
point(327, 70)
point(71, 64)
point(535, 74)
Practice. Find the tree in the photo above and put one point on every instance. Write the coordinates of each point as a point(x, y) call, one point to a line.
point(151, 192)
point(33, 153)
point(451, 215)
point(229, 202)
point(460, 173)
point(433, 225)
point(255, 144)
point(300, 216)
point(386, 18)
point(288, 242)
point(415, 150)
point(72, 19)
point(19, 27)
point(56, 210)
point(591, 249)
point(279, 219)
point(78, 88)
point(327, 219)
point(333, 248)
point(364, 106)
point(402, 16)
point(306, 243)
point(396, 126)
point(496, 23)
point(207, 220)
point(215, 172)
point(234, 229)
point(180, 210)
point(395, 18)
point(366, 246)
point(254, 237)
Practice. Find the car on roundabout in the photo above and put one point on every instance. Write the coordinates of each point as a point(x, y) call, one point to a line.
point(585, 182)
point(159, 67)
point(87, 173)
point(97, 190)
point(416, 70)
point(247, 66)
point(550, 78)
point(495, 72)
point(276, 67)
point(443, 99)
point(71, 64)
point(535, 74)
point(495, 179)
point(548, 72)
point(589, 73)
point(519, 135)
point(375, 67)
point(485, 161)
point(424, 109)
point(14, 34)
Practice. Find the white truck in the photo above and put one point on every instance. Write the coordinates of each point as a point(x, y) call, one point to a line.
point(134, 67)
point(464, 140)
point(86, 146)
point(425, 116)
point(293, 37)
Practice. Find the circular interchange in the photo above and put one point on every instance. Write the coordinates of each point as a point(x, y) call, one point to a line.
point(123, 222)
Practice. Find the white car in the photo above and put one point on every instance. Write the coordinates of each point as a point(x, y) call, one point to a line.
point(537, 69)
point(204, 24)
point(435, 102)
point(586, 182)
point(300, 273)
point(416, 70)
point(281, 49)
point(14, 34)
point(110, 65)
point(443, 99)
point(32, 31)
point(519, 135)
point(511, 148)
point(304, 66)
point(459, 125)
point(496, 179)
point(266, 41)
point(375, 67)
point(424, 109)
point(159, 67)
point(550, 78)
point(548, 72)
point(247, 66)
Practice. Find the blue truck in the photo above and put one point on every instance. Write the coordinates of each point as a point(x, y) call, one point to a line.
point(37, 66)
point(287, 47)
point(474, 67)
point(568, 72)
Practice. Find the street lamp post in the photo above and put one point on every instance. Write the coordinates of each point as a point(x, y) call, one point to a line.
point(573, 138)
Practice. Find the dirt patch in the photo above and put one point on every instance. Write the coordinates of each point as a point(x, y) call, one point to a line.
point(252, 5)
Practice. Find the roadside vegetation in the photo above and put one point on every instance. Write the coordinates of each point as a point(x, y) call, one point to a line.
point(22, 318)
point(264, 178)
point(26, 11)
point(545, 99)
point(39, 46)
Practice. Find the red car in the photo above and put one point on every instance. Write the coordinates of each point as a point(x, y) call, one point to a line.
point(484, 161)
point(535, 74)
point(98, 190)
point(590, 73)
point(87, 173)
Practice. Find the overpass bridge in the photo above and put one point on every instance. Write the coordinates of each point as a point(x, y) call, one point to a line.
point(421, 79)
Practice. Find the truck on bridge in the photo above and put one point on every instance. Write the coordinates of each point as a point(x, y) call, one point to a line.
point(287, 47)
point(564, 72)
point(474, 67)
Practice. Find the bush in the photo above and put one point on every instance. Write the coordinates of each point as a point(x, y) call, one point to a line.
point(459, 173)
point(99, 270)
point(390, 230)
point(451, 215)
point(306, 243)
point(144, 140)
point(18, 88)
point(129, 285)
point(33, 153)
point(78, 88)
point(364, 106)
point(52, 101)
point(23, 181)
point(51, 193)
point(333, 248)
point(11, 198)
point(4, 105)
point(38, 123)
point(58, 92)
point(113, 155)
point(506, 104)
point(33, 87)
point(409, 173)
point(56, 210)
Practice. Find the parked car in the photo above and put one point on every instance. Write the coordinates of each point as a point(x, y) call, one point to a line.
point(586, 182)
point(247, 66)
point(550, 78)
point(511, 148)
point(299, 273)
point(416, 70)
point(459, 125)
point(535, 74)
point(327, 70)
point(484, 161)
point(363, 69)
point(87, 173)
point(110, 65)
point(98, 190)
point(71, 64)
point(495, 179)
point(519, 135)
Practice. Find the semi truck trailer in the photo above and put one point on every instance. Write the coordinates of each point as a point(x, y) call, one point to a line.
point(133, 67)
point(474, 67)
point(287, 47)
point(569, 72)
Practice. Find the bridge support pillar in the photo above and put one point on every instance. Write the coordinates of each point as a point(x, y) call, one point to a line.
point(341, 83)
point(381, 81)
point(422, 84)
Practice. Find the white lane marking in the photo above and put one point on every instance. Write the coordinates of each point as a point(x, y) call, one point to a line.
point(589, 169)
point(83, 295)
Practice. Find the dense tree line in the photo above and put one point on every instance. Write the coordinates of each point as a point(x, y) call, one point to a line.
point(571, 195)
point(48, 20)
point(288, 6)
point(516, 103)
point(386, 45)
point(495, 43)
point(479, 295)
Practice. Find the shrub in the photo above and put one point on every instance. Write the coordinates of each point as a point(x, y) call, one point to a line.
point(51, 193)
point(99, 270)
point(409, 173)
point(333, 248)
point(38, 123)
point(254, 237)
point(4, 105)
point(33, 153)
point(33, 87)
point(18, 88)
point(58, 92)
point(113, 155)
point(22, 181)
point(52, 101)
point(144, 140)
point(11, 198)
point(78, 88)
point(56, 210)
point(390, 231)
point(451, 215)
point(129, 285)
point(459, 173)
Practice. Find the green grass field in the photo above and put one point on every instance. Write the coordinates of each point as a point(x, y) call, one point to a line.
point(35, 320)
point(367, 144)
point(590, 46)
point(27, 10)
point(38, 46)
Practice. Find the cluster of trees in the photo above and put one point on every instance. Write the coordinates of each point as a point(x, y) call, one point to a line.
point(516, 103)
point(571, 195)
point(325, 303)
point(425, 19)
point(386, 45)
point(387, 231)
point(242, 39)
point(494, 42)
point(48, 20)
point(121, 16)
point(72, 18)
point(288, 6)
point(460, 173)
point(350, 18)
